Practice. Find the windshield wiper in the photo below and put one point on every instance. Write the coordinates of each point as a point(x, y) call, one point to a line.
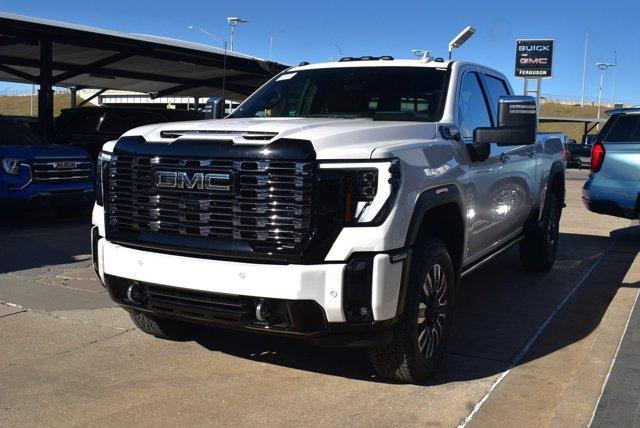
point(340, 116)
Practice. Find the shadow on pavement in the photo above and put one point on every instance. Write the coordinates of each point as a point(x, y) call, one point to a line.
point(499, 308)
point(32, 240)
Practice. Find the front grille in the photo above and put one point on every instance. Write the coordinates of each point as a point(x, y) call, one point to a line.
point(196, 304)
point(61, 170)
point(267, 204)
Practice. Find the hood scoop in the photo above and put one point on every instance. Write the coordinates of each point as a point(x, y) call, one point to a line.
point(247, 135)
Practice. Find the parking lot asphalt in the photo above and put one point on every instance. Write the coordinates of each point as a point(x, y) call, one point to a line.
point(527, 349)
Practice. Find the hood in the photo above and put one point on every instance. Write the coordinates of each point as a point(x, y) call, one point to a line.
point(49, 151)
point(331, 138)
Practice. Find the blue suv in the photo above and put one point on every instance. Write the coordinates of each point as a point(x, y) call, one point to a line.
point(34, 173)
point(614, 183)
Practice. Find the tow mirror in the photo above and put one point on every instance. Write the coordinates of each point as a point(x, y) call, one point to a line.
point(218, 108)
point(215, 108)
point(517, 123)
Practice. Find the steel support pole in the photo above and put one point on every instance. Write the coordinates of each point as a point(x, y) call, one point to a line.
point(45, 92)
point(537, 91)
point(72, 96)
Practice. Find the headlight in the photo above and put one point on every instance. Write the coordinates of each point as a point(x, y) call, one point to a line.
point(11, 165)
point(102, 176)
point(368, 190)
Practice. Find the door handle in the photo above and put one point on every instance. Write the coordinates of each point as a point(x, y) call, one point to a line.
point(503, 157)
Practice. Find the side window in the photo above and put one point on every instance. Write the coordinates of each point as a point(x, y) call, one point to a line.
point(624, 130)
point(497, 88)
point(83, 120)
point(472, 108)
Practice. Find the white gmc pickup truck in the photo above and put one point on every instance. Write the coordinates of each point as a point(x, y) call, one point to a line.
point(340, 203)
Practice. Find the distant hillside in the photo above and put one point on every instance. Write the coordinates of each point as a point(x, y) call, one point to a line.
point(20, 105)
point(574, 131)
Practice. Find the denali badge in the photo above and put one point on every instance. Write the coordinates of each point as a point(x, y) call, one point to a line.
point(199, 180)
point(65, 165)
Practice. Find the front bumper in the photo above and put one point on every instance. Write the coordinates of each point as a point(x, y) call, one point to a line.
point(312, 300)
point(48, 199)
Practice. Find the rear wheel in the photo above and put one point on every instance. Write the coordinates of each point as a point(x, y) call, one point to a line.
point(421, 336)
point(160, 327)
point(538, 250)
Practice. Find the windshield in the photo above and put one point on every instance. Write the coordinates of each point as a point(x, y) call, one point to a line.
point(380, 93)
point(79, 121)
point(18, 134)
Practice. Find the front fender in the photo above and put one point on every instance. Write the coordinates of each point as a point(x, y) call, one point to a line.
point(428, 200)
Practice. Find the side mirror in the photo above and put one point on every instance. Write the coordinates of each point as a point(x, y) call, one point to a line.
point(215, 108)
point(517, 123)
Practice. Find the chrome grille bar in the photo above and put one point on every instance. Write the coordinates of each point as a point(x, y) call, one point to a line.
point(270, 202)
point(61, 170)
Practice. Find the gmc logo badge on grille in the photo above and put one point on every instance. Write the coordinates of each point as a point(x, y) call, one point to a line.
point(65, 165)
point(198, 181)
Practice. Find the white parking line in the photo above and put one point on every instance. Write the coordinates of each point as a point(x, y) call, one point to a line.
point(11, 305)
point(536, 335)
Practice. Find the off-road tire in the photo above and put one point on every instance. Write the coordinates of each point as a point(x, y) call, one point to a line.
point(160, 327)
point(404, 359)
point(539, 248)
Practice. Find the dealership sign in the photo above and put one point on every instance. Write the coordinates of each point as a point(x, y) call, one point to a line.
point(534, 58)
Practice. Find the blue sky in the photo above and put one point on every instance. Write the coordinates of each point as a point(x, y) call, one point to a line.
point(310, 30)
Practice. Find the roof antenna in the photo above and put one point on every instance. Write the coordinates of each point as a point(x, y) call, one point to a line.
point(424, 55)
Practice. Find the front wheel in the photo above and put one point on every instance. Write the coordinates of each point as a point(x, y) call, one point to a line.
point(421, 336)
point(162, 328)
point(538, 249)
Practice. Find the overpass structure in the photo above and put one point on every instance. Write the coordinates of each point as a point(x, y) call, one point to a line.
point(52, 53)
point(589, 123)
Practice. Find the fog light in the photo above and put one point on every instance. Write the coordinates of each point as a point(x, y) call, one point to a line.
point(136, 294)
point(263, 311)
point(357, 289)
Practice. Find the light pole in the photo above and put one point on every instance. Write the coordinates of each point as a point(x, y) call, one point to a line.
point(460, 39)
point(271, 42)
point(224, 46)
point(584, 68)
point(233, 23)
point(602, 66)
point(210, 34)
point(615, 69)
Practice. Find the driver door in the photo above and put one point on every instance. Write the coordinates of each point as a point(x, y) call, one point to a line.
point(488, 181)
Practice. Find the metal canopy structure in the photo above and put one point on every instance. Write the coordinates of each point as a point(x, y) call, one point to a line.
point(589, 123)
point(51, 53)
